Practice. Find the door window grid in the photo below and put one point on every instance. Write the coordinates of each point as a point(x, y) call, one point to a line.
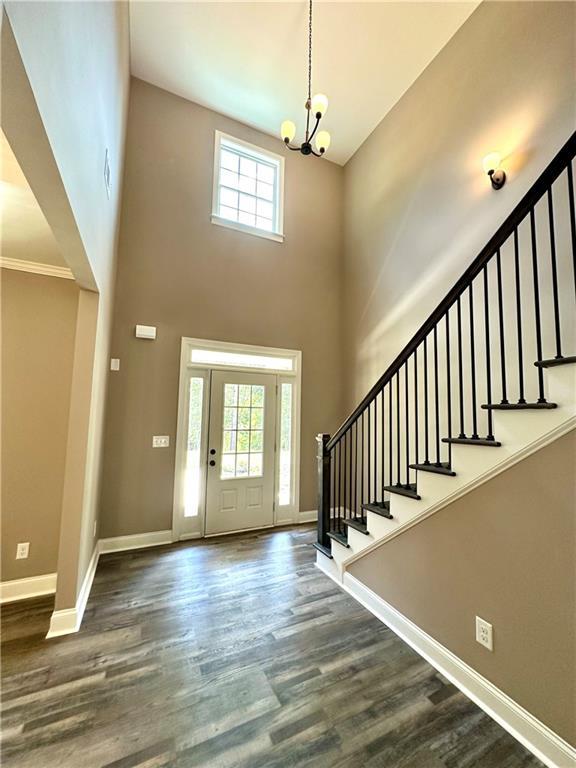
point(243, 431)
point(247, 189)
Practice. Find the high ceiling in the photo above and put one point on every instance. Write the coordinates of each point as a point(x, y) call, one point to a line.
point(25, 233)
point(249, 60)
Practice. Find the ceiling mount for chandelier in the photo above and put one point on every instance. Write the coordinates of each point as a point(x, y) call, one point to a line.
point(316, 106)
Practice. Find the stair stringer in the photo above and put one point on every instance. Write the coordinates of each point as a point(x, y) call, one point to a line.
point(521, 433)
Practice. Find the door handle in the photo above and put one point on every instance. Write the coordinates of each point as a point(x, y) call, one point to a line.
point(212, 463)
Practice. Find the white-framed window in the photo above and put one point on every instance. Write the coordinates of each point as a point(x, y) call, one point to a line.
point(248, 188)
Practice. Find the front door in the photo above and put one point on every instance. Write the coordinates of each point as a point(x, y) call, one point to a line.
point(241, 452)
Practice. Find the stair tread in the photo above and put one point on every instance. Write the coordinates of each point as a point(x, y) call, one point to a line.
point(358, 525)
point(439, 469)
point(404, 490)
point(554, 361)
point(323, 549)
point(340, 538)
point(519, 406)
point(379, 508)
point(472, 441)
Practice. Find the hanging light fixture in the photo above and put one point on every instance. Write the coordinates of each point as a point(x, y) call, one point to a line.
point(317, 105)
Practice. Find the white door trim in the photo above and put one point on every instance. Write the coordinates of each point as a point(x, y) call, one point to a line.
point(283, 515)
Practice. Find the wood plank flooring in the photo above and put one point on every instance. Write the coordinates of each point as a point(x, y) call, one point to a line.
point(235, 653)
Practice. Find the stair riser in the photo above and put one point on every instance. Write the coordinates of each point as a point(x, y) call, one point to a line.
point(518, 429)
point(561, 385)
point(358, 541)
point(380, 526)
point(339, 553)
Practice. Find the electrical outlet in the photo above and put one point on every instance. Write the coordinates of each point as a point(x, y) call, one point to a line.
point(22, 550)
point(114, 364)
point(484, 633)
point(160, 441)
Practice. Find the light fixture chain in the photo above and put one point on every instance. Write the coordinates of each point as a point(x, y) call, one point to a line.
point(310, 52)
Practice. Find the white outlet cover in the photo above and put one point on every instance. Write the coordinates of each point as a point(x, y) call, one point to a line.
point(484, 633)
point(160, 441)
point(22, 550)
point(114, 364)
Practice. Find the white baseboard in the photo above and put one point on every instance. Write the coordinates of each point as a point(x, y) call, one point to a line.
point(22, 589)
point(310, 516)
point(537, 737)
point(68, 620)
point(135, 541)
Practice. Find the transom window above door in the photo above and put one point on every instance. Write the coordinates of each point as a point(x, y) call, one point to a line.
point(248, 188)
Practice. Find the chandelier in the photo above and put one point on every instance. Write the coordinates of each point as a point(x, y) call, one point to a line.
point(317, 105)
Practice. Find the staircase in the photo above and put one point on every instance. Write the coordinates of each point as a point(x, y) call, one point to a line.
point(489, 378)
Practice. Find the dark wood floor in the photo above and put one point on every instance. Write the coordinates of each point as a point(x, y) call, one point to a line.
point(230, 652)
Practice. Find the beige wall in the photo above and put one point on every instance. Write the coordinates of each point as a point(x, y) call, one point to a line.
point(418, 207)
point(188, 277)
point(38, 317)
point(505, 552)
point(75, 59)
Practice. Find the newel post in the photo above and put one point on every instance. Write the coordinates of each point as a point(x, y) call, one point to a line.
point(323, 490)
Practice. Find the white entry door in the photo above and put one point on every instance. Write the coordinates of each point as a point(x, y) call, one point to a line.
point(241, 453)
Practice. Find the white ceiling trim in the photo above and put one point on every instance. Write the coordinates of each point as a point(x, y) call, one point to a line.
point(39, 269)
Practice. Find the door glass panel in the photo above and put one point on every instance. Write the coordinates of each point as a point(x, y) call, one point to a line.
point(192, 476)
point(285, 443)
point(243, 431)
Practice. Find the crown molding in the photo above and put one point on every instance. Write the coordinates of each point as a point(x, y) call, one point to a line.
point(39, 269)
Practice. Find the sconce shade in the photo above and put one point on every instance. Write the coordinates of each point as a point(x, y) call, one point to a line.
point(491, 162)
point(322, 141)
point(288, 130)
point(319, 104)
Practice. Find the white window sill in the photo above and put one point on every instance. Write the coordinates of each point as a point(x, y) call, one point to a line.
point(277, 236)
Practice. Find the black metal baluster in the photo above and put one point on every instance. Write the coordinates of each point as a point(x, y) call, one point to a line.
point(436, 396)
point(490, 436)
point(339, 514)
point(448, 388)
point(345, 510)
point(382, 457)
point(426, 454)
point(375, 479)
point(416, 451)
point(572, 217)
point(554, 274)
point(350, 507)
point(472, 361)
point(501, 317)
point(398, 477)
point(521, 398)
point(407, 423)
point(369, 446)
point(391, 479)
point(541, 398)
point(362, 460)
point(460, 371)
point(356, 471)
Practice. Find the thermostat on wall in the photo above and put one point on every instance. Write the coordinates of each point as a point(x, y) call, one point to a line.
point(145, 331)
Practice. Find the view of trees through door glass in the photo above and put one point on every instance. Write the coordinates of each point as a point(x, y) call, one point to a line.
point(285, 477)
point(192, 481)
point(243, 431)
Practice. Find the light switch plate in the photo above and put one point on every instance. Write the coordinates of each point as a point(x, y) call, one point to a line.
point(22, 550)
point(145, 331)
point(160, 441)
point(115, 364)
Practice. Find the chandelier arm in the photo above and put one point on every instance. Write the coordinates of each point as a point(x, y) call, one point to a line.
point(315, 128)
point(293, 149)
point(317, 154)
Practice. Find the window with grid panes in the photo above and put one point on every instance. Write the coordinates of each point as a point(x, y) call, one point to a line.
point(247, 188)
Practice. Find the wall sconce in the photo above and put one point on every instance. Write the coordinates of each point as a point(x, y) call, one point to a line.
point(491, 164)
